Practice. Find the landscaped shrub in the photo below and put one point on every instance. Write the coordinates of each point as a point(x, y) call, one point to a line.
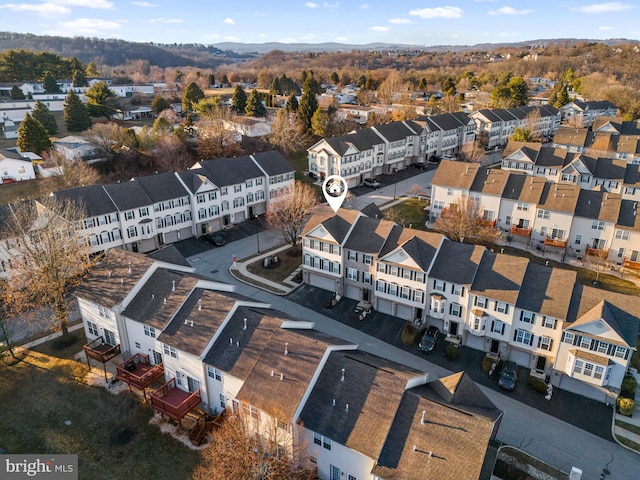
point(629, 384)
point(486, 364)
point(409, 334)
point(538, 385)
point(626, 406)
point(452, 352)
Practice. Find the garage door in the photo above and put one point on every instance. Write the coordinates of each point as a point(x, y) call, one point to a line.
point(384, 306)
point(475, 342)
point(404, 312)
point(170, 237)
point(321, 281)
point(352, 292)
point(238, 217)
point(520, 357)
point(185, 233)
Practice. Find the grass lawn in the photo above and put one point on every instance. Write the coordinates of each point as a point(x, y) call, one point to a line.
point(46, 389)
point(412, 213)
point(628, 426)
point(287, 265)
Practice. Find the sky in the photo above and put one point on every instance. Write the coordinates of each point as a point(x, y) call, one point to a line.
point(416, 22)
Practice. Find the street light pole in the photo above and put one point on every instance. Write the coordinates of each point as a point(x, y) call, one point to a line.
point(395, 182)
point(257, 232)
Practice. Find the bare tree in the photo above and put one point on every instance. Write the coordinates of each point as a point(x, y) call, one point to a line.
point(288, 213)
point(106, 138)
point(463, 220)
point(597, 260)
point(574, 121)
point(286, 134)
point(69, 173)
point(392, 85)
point(170, 154)
point(417, 191)
point(473, 152)
point(6, 330)
point(214, 140)
point(239, 452)
point(394, 215)
point(50, 256)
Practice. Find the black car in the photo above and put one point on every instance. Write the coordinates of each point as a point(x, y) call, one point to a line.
point(216, 240)
point(508, 376)
point(429, 339)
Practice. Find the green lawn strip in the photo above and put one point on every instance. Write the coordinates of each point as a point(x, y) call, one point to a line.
point(412, 213)
point(629, 443)
point(279, 274)
point(256, 283)
point(628, 426)
point(42, 392)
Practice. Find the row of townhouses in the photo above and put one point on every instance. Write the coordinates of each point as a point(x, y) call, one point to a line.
point(147, 212)
point(385, 149)
point(577, 337)
point(532, 211)
point(588, 111)
point(609, 137)
point(355, 415)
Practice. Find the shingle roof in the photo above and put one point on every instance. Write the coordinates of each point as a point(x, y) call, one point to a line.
point(336, 224)
point(560, 197)
point(128, 195)
point(610, 168)
point(530, 149)
point(207, 310)
point(571, 136)
point(553, 157)
point(273, 162)
point(490, 181)
point(113, 278)
point(162, 187)
point(369, 235)
point(457, 262)
point(372, 388)
point(598, 205)
point(230, 171)
point(546, 290)
point(160, 297)
point(279, 395)
point(194, 178)
point(628, 218)
point(422, 247)
point(169, 254)
point(394, 131)
point(524, 188)
point(93, 197)
point(500, 276)
point(455, 174)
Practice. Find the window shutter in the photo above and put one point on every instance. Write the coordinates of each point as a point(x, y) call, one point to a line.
point(475, 301)
point(506, 308)
point(515, 334)
point(521, 315)
point(462, 291)
point(502, 329)
point(610, 349)
point(495, 306)
point(533, 319)
point(450, 308)
point(493, 322)
point(531, 340)
point(539, 341)
point(555, 323)
point(453, 287)
point(562, 337)
point(551, 345)
point(434, 283)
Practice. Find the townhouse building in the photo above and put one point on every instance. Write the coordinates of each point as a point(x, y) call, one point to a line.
point(588, 111)
point(149, 212)
point(344, 412)
point(500, 304)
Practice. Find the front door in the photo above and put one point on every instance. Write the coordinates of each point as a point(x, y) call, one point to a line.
point(134, 247)
point(251, 213)
point(495, 346)
point(203, 228)
point(365, 295)
point(226, 220)
point(540, 363)
point(157, 358)
point(453, 328)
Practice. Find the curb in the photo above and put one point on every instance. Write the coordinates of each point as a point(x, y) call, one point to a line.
point(613, 434)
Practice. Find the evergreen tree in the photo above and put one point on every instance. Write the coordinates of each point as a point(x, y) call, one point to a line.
point(32, 136)
point(101, 100)
point(50, 85)
point(159, 103)
point(16, 93)
point(212, 79)
point(449, 86)
point(225, 80)
point(239, 99)
point(422, 84)
point(307, 107)
point(92, 70)
point(76, 115)
point(320, 122)
point(45, 117)
point(254, 107)
point(192, 95)
point(292, 103)
point(335, 79)
point(80, 79)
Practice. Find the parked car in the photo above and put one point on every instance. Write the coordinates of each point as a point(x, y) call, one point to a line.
point(429, 339)
point(508, 376)
point(216, 240)
point(370, 182)
point(419, 165)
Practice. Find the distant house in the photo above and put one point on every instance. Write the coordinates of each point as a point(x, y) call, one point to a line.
point(15, 167)
point(589, 111)
point(73, 147)
point(10, 129)
point(248, 126)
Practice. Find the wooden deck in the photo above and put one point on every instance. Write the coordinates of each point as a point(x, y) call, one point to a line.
point(101, 351)
point(138, 372)
point(632, 265)
point(555, 242)
point(173, 402)
point(596, 252)
point(521, 232)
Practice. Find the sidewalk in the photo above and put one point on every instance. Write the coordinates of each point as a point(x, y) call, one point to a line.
point(257, 281)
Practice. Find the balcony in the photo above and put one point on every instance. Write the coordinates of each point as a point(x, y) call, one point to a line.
point(555, 242)
point(520, 231)
point(173, 402)
point(138, 372)
point(631, 264)
point(101, 351)
point(488, 223)
point(597, 252)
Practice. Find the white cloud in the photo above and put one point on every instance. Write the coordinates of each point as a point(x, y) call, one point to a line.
point(211, 36)
point(43, 9)
point(101, 4)
point(454, 35)
point(509, 11)
point(400, 21)
point(331, 5)
point(288, 40)
point(364, 6)
point(308, 37)
point(506, 34)
point(229, 21)
point(231, 38)
point(165, 20)
point(311, 5)
point(145, 4)
point(603, 7)
point(604, 27)
point(88, 26)
point(341, 39)
point(437, 12)
point(379, 28)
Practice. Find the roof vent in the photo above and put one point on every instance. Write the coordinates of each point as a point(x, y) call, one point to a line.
point(173, 285)
point(164, 301)
point(286, 348)
point(281, 376)
point(415, 448)
point(333, 403)
point(186, 320)
point(129, 267)
point(153, 296)
point(230, 340)
point(110, 272)
point(346, 407)
point(422, 421)
point(122, 281)
point(245, 324)
point(272, 372)
point(342, 376)
point(199, 304)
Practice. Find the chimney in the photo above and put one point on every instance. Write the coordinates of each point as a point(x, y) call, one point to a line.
point(286, 348)
point(415, 448)
point(342, 377)
point(422, 419)
point(245, 324)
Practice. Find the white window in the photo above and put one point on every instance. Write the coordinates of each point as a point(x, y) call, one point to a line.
point(603, 347)
point(132, 232)
point(420, 277)
point(353, 256)
point(224, 191)
point(622, 234)
point(179, 377)
point(502, 307)
point(201, 198)
point(129, 215)
point(393, 289)
point(93, 329)
point(149, 331)
point(381, 286)
point(449, 191)
point(621, 352)
point(367, 259)
point(144, 211)
point(577, 366)
point(170, 351)
point(588, 369)
point(497, 327)
point(549, 322)
point(455, 309)
point(366, 278)
point(527, 317)
point(481, 302)
point(568, 338)
point(598, 373)
point(418, 296)
point(585, 342)
point(543, 213)
point(596, 225)
point(352, 274)
point(524, 207)
point(223, 401)
point(524, 337)
point(457, 289)
point(438, 285)
point(578, 239)
point(214, 373)
point(545, 343)
point(237, 188)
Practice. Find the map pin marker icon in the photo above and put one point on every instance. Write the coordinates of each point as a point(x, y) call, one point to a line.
point(335, 190)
